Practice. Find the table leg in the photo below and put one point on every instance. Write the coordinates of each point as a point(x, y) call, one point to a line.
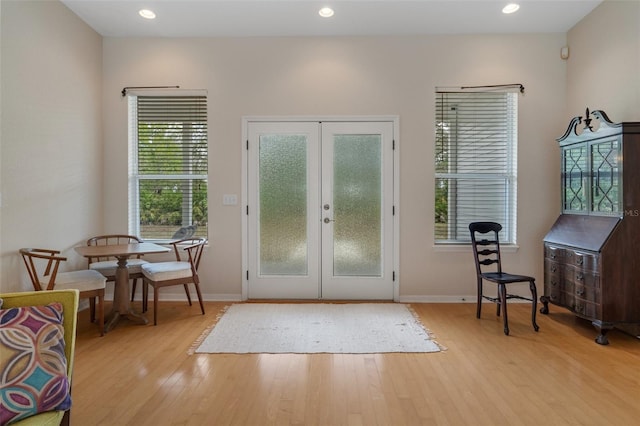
point(121, 303)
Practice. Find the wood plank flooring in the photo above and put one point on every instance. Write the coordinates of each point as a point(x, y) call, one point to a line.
point(146, 375)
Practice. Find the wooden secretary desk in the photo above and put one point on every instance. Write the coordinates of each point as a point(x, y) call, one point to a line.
point(592, 252)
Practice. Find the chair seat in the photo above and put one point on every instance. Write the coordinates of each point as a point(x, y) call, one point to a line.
point(83, 280)
point(108, 267)
point(505, 278)
point(165, 271)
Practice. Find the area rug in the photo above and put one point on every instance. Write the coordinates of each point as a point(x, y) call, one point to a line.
point(354, 328)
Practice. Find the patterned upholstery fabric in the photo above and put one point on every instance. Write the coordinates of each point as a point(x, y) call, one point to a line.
point(33, 367)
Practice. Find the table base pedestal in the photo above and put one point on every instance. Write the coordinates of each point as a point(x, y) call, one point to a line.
point(114, 317)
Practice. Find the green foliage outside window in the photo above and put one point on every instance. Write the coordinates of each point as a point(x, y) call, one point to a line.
point(172, 175)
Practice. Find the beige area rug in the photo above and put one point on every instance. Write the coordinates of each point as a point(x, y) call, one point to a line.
point(353, 328)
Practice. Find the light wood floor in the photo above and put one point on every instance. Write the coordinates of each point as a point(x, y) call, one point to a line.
point(144, 375)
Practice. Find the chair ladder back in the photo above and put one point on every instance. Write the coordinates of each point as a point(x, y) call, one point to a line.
point(489, 253)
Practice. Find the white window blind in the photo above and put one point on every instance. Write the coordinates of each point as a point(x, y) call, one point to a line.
point(475, 163)
point(168, 162)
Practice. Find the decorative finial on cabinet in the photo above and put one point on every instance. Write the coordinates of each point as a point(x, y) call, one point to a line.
point(587, 121)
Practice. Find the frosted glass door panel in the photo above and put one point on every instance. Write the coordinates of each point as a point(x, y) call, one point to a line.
point(283, 214)
point(283, 205)
point(320, 213)
point(357, 210)
point(357, 198)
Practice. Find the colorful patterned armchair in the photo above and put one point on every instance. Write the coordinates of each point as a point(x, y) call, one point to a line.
point(37, 341)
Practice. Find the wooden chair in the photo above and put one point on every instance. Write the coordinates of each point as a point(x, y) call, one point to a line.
point(180, 272)
point(69, 301)
point(107, 265)
point(487, 252)
point(90, 283)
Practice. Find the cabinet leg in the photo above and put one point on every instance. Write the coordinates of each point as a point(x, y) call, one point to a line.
point(603, 329)
point(545, 305)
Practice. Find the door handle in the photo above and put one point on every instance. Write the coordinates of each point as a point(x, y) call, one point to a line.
point(327, 220)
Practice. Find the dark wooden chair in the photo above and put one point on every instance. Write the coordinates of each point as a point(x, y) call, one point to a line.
point(486, 252)
point(107, 265)
point(89, 283)
point(178, 272)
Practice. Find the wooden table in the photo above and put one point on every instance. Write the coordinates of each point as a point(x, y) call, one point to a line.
point(122, 252)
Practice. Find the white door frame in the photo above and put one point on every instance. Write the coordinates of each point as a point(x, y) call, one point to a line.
point(396, 186)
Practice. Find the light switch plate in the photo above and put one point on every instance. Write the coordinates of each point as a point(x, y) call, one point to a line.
point(229, 199)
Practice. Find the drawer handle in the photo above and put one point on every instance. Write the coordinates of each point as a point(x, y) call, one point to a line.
point(553, 269)
point(580, 292)
point(553, 297)
point(580, 277)
point(554, 283)
point(580, 261)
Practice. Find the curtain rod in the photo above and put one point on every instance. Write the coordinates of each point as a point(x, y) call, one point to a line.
point(124, 91)
point(518, 85)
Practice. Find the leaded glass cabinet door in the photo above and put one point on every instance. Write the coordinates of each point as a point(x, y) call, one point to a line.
point(605, 187)
point(574, 179)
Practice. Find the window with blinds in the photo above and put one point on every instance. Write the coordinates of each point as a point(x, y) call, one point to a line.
point(168, 161)
point(475, 163)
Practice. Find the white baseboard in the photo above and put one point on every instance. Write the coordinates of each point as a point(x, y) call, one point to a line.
point(447, 299)
point(437, 299)
point(180, 297)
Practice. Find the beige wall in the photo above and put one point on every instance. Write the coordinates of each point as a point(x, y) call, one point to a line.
point(51, 134)
point(53, 160)
point(349, 76)
point(603, 70)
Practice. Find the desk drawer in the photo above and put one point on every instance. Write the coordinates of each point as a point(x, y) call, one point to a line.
point(589, 294)
point(582, 260)
point(553, 253)
point(586, 279)
point(587, 309)
point(559, 296)
point(551, 267)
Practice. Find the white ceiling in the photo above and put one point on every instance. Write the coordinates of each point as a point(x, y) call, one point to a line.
point(239, 18)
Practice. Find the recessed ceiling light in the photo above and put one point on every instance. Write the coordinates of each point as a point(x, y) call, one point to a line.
point(326, 12)
point(147, 14)
point(510, 8)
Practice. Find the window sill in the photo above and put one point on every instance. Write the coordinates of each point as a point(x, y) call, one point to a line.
point(465, 248)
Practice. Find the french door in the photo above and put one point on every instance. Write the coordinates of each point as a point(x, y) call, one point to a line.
point(320, 210)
